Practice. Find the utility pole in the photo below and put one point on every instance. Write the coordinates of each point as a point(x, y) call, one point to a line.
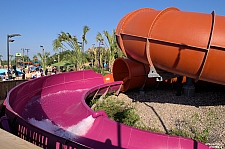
point(23, 55)
point(43, 58)
point(10, 40)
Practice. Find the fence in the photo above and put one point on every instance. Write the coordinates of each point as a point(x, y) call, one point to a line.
point(6, 86)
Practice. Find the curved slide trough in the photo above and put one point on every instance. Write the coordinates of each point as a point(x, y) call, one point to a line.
point(51, 112)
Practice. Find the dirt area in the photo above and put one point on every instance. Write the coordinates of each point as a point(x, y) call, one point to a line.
point(163, 111)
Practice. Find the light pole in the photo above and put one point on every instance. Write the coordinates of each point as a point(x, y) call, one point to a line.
point(99, 53)
point(43, 57)
point(10, 59)
point(80, 44)
point(9, 40)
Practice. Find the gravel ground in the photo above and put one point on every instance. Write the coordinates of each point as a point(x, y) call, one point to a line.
point(161, 110)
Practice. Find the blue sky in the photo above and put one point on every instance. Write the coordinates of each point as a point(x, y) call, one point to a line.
point(40, 21)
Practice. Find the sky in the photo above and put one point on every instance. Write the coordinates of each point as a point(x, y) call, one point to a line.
point(40, 21)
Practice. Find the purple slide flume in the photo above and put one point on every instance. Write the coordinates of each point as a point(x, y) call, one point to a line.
point(51, 112)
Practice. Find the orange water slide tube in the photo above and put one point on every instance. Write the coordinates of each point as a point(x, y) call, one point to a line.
point(184, 43)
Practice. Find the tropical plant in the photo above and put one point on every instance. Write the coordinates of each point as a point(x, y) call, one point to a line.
point(113, 51)
point(1, 60)
point(90, 56)
point(100, 40)
point(84, 40)
point(67, 42)
point(116, 110)
point(35, 58)
point(43, 58)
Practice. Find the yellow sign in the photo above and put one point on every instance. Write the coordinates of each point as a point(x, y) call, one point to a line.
point(18, 54)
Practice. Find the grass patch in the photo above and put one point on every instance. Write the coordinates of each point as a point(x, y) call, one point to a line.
point(189, 128)
point(118, 111)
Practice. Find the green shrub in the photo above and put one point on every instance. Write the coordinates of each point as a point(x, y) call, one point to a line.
point(195, 134)
point(179, 132)
point(91, 102)
point(118, 111)
point(98, 70)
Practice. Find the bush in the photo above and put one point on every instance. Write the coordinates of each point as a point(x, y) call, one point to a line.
point(118, 111)
point(96, 69)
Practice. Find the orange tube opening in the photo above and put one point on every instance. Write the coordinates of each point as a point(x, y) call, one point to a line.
point(133, 74)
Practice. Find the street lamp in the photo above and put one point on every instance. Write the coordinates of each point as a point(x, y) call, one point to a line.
point(80, 44)
point(99, 53)
point(9, 40)
point(43, 57)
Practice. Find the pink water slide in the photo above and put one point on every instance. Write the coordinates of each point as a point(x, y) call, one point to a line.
point(51, 111)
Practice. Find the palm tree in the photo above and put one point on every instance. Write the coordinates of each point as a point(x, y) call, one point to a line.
point(35, 58)
point(65, 42)
point(92, 55)
point(113, 50)
point(84, 40)
point(99, 39)
point(43, 58)
point(1, 60)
